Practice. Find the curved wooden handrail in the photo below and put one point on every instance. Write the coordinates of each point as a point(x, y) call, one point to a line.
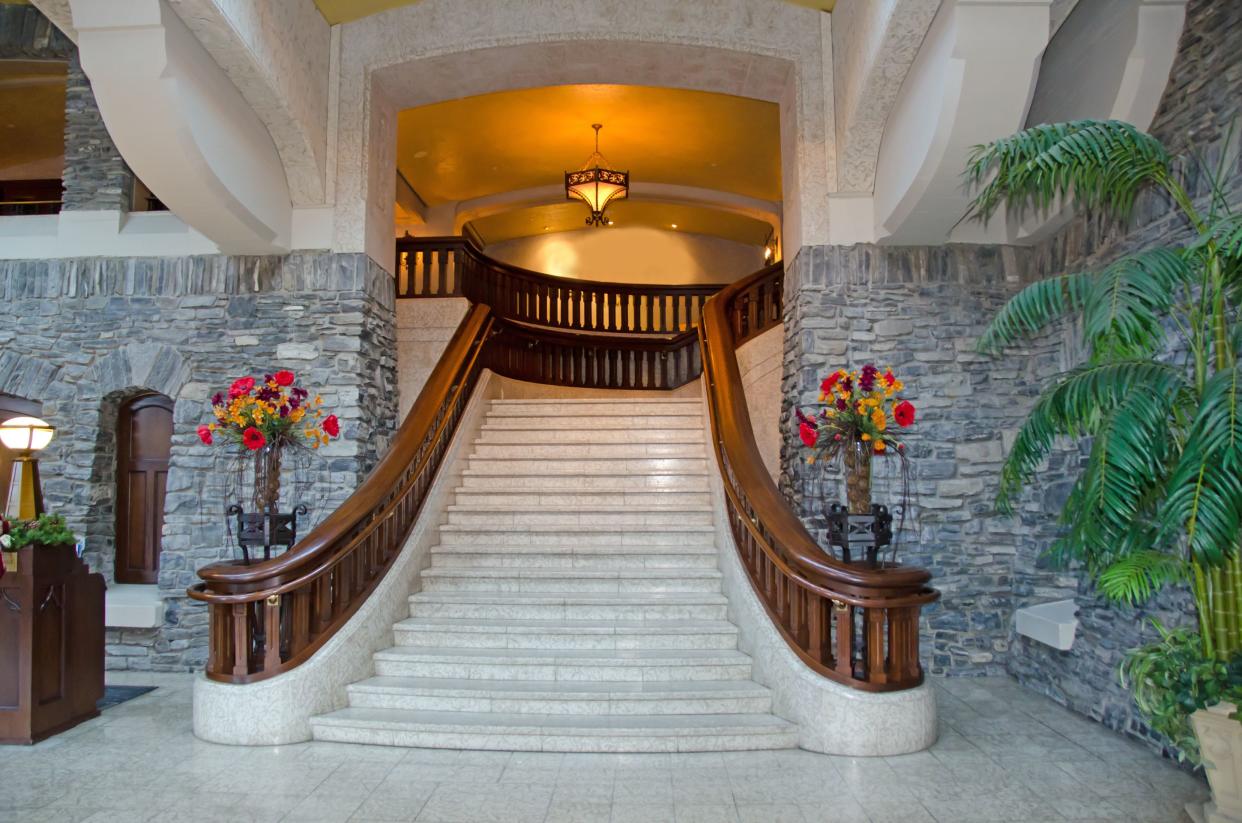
point(270, 616)
point(852, 622)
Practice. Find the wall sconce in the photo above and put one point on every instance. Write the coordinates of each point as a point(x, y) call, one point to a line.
point(25, 435)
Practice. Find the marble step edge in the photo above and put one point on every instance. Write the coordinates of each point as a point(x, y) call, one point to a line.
point(619, 658)
point(562, 689)
point(542, 599)
point(607, 628)
point(593, 508)
point(575, 528)
point(569, 575)
point(570, 401)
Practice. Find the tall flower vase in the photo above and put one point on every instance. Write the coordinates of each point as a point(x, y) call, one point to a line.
point(857, 459)
point(267, 478)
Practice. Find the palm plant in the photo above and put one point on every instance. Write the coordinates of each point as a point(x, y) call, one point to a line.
point(1159, 497)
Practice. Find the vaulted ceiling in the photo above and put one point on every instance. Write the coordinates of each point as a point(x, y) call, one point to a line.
point(343, 11)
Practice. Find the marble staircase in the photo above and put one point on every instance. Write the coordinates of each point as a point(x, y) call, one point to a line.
point(573, 602)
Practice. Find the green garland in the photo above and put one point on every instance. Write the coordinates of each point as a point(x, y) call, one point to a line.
point(45, 530)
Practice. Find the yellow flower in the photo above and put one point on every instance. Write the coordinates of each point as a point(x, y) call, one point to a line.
point(879, 419)
point(879, 445)
point(865, 436)
point(297, 414)
point(218, 412)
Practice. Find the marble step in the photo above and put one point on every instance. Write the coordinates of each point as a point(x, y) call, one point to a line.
point(550, 697)
point(560, 466)
point(554, 422)
point(564, 664)
point(575, 581)
point(557, 516)
point(588, 405)
point(549, 536)
point(585, 451)
point(565, 634)
point(484, 606)
point(570, 496)
point(490, 435)
point(600, 480)
point(574, 557)
point(556, 733)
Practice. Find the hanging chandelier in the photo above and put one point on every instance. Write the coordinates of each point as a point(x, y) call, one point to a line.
point(596, 185)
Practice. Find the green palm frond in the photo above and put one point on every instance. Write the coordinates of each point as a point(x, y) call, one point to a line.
point(1102, 163)
point(1110, 508)
point(1124, 311)
point(1033, 308)
point(1225, 233)
point(1076, 406)
point(1205, 489)
point(1133, 579)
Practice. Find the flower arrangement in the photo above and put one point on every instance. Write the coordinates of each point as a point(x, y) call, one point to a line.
point(859, 407)
point(862, 416)
point(261, 419)
point(272, 412)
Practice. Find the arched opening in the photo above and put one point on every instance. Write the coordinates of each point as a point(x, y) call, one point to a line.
point(143, 443)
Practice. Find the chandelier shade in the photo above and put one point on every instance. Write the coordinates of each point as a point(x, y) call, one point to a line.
point(597, 185)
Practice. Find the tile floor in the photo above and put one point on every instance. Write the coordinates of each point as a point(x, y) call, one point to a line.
point(1004, 754)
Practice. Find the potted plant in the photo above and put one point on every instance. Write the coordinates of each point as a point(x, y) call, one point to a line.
point(860, 418)
point(260, 420)
point(44, 530)
point(1158, 500)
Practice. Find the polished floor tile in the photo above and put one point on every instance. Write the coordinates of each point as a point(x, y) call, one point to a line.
point(1005, 755)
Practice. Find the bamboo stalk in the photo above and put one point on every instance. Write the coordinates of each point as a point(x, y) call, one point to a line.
point(1219, 619)
point(1203, 608)
point(1229, 606)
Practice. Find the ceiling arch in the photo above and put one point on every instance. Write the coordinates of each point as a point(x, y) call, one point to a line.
point(344, 11)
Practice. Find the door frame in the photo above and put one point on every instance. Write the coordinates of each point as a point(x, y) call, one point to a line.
point(121, 571)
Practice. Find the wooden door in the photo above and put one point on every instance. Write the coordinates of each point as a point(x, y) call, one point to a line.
point(143, 442)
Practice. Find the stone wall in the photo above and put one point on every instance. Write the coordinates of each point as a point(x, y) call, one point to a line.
point(920, 311)
point(95, 332)
point(25, 34)
point(1200, 102)
point(95, 176)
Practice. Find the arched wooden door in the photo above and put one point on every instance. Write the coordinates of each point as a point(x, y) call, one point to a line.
point(143, 443)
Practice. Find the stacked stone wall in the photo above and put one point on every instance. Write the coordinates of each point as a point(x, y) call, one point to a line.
point(95, 332)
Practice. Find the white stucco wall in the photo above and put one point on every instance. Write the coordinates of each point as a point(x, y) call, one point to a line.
point(760, 361)
point(424, 328)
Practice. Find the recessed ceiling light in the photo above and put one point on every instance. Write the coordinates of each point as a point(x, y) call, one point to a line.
point(545, 228)
point(674, 225)
point(610, 222)
point(419, 155)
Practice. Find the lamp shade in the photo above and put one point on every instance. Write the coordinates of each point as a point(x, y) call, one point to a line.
point(26, 433)
point(597, 185)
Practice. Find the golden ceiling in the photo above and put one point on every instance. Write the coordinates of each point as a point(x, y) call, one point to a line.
point(570, 216)
point(343, 11)
point(478, 146)
point(32, 113)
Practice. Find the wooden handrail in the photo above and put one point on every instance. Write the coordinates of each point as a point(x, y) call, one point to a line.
point(268, 617)
point(452, 266)
point(851, 622)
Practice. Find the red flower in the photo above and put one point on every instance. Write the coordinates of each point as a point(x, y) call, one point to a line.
point(241, 385)
point(808, 433)
point(204, 434)
point(331, 425)
point(903, 413)
point(253, 439)
point(284, 377)
point(829, 382)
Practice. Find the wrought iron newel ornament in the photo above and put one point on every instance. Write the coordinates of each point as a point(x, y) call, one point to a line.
point(596, 185)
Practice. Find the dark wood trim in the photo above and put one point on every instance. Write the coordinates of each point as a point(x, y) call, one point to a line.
point(155, 471)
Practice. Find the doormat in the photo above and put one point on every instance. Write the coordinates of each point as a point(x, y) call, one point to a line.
point(116, 695)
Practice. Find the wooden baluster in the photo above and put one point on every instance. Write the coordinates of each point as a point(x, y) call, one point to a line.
point(218, 657)
point(843, 618)
point(271, 633)
point(817, 617)
point(300, 618)
point(241, 642)
point(874, 621)
point(441, 272)
point(903, 644)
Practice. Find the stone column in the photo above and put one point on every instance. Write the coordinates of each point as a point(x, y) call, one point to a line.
point(96, 177)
